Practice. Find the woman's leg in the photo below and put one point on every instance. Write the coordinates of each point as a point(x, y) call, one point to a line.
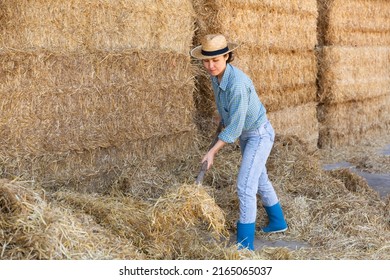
point(255, 148)
point(268, 195)
point(266, 190)
point(249, 175)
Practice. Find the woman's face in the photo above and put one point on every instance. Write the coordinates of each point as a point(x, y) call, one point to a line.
point(216, 66)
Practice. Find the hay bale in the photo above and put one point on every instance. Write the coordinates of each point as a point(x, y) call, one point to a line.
point(354, 74)
point(60, 111)
point(302, 122)
point(283, 78)
point(286, 25)
point(91, 170)
point(86, 87)
point(184, 222)
point(354, 23)
point(352, 122)
point(269, 25)
point(80, 26)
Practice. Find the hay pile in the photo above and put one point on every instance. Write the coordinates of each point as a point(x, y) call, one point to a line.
point(335, 212)
point(87, 87)
point(354, 78)
point(184, 223)
point(277, 41)
point(33, 228)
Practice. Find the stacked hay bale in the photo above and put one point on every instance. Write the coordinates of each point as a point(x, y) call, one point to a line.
point(354, 71)
point(277, 41)
point(88, 86)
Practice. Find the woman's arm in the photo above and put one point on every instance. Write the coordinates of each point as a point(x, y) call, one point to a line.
point(212, 152)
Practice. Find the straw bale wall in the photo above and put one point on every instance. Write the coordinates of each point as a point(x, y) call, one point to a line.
point(354, 76)
point(78, 25)
point(355, 22)
point(354, 73)
point(88, 86)
point(302, 118)
point(277, 41)
point(350, 122)
point(96, 100)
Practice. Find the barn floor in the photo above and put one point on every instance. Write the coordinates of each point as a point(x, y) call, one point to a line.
point(370, 161)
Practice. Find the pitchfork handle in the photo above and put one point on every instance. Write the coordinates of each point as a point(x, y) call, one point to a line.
point(202, 172)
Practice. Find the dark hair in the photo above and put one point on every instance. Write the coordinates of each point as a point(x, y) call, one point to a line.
point(230, 58)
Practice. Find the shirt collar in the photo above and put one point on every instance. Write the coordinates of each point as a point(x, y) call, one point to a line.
point(225, 78)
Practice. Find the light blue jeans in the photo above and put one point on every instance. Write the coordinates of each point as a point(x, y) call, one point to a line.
point(252, 179)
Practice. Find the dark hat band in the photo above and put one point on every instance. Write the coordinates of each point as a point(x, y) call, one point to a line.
point(217, 52)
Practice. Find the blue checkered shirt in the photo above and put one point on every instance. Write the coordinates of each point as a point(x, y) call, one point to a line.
point(238, 104)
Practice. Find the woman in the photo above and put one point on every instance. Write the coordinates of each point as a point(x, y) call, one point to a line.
point(244, 118)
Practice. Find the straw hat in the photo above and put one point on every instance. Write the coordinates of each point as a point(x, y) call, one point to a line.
point(213, 45)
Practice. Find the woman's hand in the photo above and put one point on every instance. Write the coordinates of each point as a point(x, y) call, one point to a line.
point(212, 152)
point(209, 157)
point(216, 119)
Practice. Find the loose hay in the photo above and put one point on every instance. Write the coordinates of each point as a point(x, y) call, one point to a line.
point(185, 222)
point(281, 78)
point(343, 217)
point(335, 213)
point(188, 223)
point(32, 228)
point(126, 217)
point(185, 206)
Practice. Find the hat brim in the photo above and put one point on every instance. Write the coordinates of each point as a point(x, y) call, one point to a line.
point(197, 51)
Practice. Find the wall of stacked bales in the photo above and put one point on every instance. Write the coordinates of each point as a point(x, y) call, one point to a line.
point(88, 86)
point(277, 42)
point(354, 70)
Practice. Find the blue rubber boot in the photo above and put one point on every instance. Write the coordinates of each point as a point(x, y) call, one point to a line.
point(245, 236)
point(277, 223)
